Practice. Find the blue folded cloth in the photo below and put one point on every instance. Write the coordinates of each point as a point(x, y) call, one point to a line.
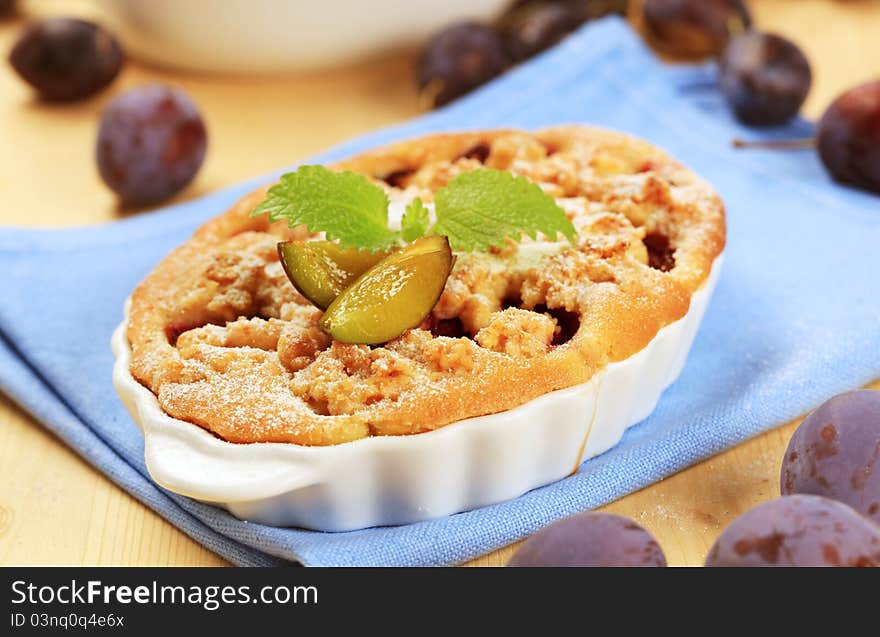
point(795, 318)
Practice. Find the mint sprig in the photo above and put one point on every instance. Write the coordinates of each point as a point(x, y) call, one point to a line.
point(477, 210)
point(345, 206)
point(414, 223)
point(481, 208)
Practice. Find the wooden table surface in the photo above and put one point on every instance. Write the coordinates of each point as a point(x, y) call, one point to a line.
point(56, 509)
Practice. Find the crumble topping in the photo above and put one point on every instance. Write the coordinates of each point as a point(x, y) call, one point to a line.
point(224, 340)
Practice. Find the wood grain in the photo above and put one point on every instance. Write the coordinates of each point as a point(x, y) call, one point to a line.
point(56, 509)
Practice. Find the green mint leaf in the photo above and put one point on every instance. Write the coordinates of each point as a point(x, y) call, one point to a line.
point(414, 223)
point(345, 206)
point(480, 208)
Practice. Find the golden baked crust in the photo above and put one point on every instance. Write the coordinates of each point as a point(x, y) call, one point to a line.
point(224, 341)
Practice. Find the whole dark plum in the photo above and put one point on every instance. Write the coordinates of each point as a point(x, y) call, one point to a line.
point(848, 137)
point(691, 28)
point(66, 59)
point(764, 77)
point(459, 59)
point(590, 539)
point(592, 9)
point(151, 143)
point(798, 530)
point(835, 452)
point(536, 26)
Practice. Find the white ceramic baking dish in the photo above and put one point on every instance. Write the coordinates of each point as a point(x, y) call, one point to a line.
point(400, 479)
point(247, 36)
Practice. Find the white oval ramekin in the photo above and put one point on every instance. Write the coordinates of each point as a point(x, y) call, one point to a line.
point(401, 479)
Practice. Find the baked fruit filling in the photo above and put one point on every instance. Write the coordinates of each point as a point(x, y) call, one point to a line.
point(224, 340)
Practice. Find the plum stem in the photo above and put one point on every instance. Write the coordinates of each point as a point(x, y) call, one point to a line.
point(776, 144)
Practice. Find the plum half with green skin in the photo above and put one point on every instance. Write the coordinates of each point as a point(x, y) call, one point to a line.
point(321, 270)
point(590, 539)
point(394, 295)
point(835, 453)
point(798, 530)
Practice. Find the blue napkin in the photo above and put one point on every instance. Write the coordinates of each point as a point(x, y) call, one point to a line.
point(795, 318)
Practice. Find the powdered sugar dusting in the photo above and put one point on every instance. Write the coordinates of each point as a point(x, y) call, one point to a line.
point(250, 363)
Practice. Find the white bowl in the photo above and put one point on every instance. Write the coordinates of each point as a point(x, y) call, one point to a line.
point(279, 35)
point(402, 479)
